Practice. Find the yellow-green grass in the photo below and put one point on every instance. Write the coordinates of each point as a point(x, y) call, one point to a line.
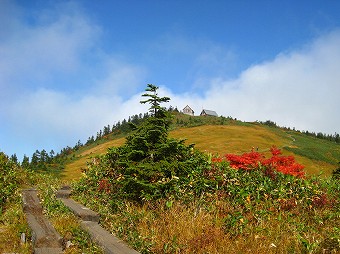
point(12, 225)
point(216, 139)
point(73, 170)
point(183, 229)
point(192, 228)
point(222, 139)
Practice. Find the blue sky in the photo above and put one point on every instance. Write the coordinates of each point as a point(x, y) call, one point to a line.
point(67, 68)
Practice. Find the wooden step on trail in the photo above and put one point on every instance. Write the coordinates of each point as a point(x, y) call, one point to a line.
point(45, 238)
point(31, 202)
point(90, 219)
point(110, 243)
point(64, 192)
point(81, 211)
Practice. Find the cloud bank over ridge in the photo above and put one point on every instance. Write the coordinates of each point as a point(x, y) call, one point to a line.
point(296, 89)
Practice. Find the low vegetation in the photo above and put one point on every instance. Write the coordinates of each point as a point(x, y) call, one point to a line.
point(12, 220)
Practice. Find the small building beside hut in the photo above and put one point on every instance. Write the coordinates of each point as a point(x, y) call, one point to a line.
point(188, 111)
point(207, 112)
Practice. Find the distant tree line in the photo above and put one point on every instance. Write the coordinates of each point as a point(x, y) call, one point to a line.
point(120, 127)
point(43, 160)
point(330, 137)
point(335, 138)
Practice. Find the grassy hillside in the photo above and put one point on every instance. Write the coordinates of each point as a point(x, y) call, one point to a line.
point(315, 154)
point(73, 169)
point(224, 135)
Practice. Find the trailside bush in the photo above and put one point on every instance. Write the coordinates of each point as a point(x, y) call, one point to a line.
point(277, 163)
point(336, 173)
point(9, 178)
point(154, 177)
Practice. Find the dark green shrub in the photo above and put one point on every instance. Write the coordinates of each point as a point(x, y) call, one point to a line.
point(336, 173)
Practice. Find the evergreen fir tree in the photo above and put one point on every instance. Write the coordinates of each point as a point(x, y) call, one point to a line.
point(14, 158)
point(137, 168)
point(25, 162)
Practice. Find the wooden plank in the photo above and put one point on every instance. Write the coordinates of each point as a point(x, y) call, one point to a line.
point(48, 251)
point(109, 243)
point(89, 222)
point(81, 211)
point(43, 233)
point(44, 236)
point(64, 192)
point(31, 202)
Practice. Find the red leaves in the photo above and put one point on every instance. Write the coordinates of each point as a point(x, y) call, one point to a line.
point(253, 160)
point(216, 159)
point(275, 151)
point(284, 164)
point(246, 161)
point(104, 185)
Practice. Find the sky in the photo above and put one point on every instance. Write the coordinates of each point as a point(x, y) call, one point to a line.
point(69, 68)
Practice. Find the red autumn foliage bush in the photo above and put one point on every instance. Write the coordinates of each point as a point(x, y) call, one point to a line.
point(253, 160)
point(246, 161)
point(104, 185)
point(284, 164)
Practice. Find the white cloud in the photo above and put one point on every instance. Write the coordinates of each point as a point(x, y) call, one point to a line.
point(56, 85)
point(59, 46)
point(58, 114)
point(119, 78)
point(297, 89)
point(52, 120)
